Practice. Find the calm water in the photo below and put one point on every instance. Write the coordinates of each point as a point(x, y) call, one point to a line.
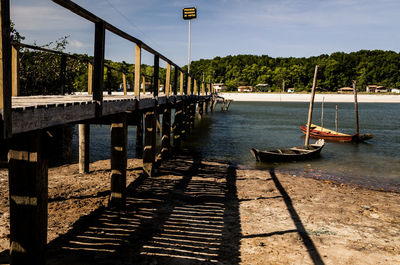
point(269, 125)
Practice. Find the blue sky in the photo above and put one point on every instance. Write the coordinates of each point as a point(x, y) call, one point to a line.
point(278, 28)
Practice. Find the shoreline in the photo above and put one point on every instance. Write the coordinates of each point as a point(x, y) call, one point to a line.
point(293, 97)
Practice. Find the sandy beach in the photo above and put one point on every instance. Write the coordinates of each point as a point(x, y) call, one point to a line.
point(199, 211)
point(287, 97)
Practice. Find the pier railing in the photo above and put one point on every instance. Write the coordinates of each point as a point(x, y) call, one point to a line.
point(188, 85)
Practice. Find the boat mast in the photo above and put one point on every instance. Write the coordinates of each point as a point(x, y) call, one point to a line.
point(311, 106)
point(322, 114)
point(356, 106)
point(336, 122)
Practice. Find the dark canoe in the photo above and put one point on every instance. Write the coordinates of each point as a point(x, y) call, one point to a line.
point(323, 133)
point(289, 154)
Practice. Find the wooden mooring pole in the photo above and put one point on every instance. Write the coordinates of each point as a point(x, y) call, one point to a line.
point(84, 148)
point(119, 139)
point(356, 106)
point(310, 110)
point(27, 169)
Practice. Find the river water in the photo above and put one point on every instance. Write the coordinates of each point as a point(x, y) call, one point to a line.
point(268, 125)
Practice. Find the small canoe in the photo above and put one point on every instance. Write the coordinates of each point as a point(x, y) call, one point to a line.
point(289, 154)
point(327, 134)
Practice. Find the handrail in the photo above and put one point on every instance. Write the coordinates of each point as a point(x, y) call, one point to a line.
point(33, 47)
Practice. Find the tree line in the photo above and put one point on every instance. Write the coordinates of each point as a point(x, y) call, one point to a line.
point(335, 71)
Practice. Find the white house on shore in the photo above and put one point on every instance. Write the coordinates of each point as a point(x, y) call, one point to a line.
point(395, 90)
point(376, 89)
point(219, 87)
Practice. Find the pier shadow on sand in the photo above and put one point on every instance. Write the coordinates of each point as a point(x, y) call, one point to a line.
point(300, 229)
point(188, 214)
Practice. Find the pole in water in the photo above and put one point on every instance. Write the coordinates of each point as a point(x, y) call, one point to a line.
point(336, 120)
point(322, 114)
point(356, 106)
point(311, 106)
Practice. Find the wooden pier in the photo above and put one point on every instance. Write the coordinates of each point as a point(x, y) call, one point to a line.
point(25, 120)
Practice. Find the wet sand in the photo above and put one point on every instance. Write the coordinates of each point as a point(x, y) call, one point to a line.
point(198, 211)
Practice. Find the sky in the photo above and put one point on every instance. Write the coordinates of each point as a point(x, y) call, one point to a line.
point(278, 28)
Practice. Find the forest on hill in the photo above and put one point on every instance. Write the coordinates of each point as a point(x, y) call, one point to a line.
point(335, 71)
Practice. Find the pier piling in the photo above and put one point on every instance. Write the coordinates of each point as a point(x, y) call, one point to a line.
point(28, 198)
point(119, 139)
point(84, 148)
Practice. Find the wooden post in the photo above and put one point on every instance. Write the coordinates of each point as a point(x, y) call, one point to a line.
point(356, 106)
point(168, 80)
point(166, 132)
point(181, 85)
point(156, 75)
point(214, 105)
point(5, 70)
point(311, 106)
point(108, 81)
point(84, 148)
point(227, 106)
point(192, 113)
point(139, 135)
point(138, 62)
point(223, 105)
point(27, 170)
point(90, 78)
point(203, 90)
point(189, 85)
point(149, 143)
point(124, 84)
point(178, 125)
point(322, 114)
point(98, 67)
point(195, 87)
point(336, 120)
point(63, 66)
point(144, 84)
point(187, 117)
point(175, 87)
point(119, 139)
point(15, 71)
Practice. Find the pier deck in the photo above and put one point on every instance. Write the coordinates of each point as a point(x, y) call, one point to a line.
point(39, 112)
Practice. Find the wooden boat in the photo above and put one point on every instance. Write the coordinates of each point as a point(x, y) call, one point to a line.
point(305, 151)
point(289, 154)
point(320, 132)
point(324, 133)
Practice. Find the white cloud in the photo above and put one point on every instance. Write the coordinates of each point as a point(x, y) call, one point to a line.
point(43, 18)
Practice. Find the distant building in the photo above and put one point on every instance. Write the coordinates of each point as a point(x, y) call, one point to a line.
point(376, 89)
point(290, 90)
point(245, 89)
point(395, 90)
point(345, 90)
point(219, 87)
point(263, 87)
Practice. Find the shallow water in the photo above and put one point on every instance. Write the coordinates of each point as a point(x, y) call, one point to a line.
point(268, 125)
